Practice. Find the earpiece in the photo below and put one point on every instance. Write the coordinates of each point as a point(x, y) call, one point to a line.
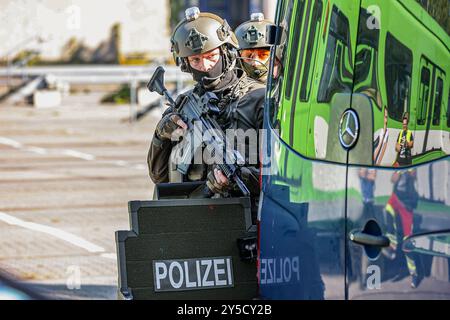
point(184, 65)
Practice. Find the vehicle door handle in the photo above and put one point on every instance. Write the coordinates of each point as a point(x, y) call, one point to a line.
point(366, 239)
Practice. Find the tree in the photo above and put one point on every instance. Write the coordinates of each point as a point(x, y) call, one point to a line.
point(176, 12)
point(439, 10)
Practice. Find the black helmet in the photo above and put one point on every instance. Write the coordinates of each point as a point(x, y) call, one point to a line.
point(200, 32)
point(252, 34)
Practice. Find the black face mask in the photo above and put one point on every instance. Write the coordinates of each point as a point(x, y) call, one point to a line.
point(210, 75)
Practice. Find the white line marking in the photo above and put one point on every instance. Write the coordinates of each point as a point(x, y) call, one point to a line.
point(36, 150)
point(67, 152)
point(111, 256)
point(139, 167)
point(10, 142)
point(57, 233)
point(77, 154)
point(121, 163)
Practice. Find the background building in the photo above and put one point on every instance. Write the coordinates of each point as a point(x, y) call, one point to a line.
point(91, 29)
point(99, 32)
point(234, 11)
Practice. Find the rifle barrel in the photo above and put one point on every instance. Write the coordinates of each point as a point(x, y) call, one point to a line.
point(169, 98)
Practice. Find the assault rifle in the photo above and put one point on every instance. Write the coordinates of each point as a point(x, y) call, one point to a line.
point(203, 109)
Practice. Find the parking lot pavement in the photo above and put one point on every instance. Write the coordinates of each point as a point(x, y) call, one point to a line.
point(66, 176)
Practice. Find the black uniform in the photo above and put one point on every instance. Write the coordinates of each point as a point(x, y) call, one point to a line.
point(241, 104)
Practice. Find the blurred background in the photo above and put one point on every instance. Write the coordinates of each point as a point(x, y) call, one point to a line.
point(123, 32)
point(59, 34)
point(75, 125)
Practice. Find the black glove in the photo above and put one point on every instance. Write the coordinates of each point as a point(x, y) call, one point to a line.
point(216, 186)
point(170, 127)
point(249, 175)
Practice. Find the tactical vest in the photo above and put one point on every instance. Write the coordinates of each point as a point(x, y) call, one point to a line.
point(228, 118)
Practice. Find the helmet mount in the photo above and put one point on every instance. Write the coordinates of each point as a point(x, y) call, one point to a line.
point(252, 35)
point(196, 40)
point(192, 13)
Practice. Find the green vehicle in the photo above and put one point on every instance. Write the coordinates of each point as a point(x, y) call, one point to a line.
point(356, 167)
point(346, 49)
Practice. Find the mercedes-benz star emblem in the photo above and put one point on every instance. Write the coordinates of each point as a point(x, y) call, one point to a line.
point(348, 129)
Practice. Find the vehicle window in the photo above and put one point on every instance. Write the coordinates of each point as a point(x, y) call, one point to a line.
point(309, 59)
point(285, 21)
point(448, 109)
point(279, 54)
point(366, 75)
point(398, 69)
point(335, 76)
point(438, 102)
point(295, 46)
point(364, 58)
point(424, 94)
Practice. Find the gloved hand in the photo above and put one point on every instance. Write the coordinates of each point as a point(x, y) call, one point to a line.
point(217, 182)
point(170, 127)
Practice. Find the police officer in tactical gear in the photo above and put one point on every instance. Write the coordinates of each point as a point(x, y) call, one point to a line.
point(204, 45)
point(253, 49)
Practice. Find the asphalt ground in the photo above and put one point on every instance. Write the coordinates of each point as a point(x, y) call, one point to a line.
point(66, 176)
